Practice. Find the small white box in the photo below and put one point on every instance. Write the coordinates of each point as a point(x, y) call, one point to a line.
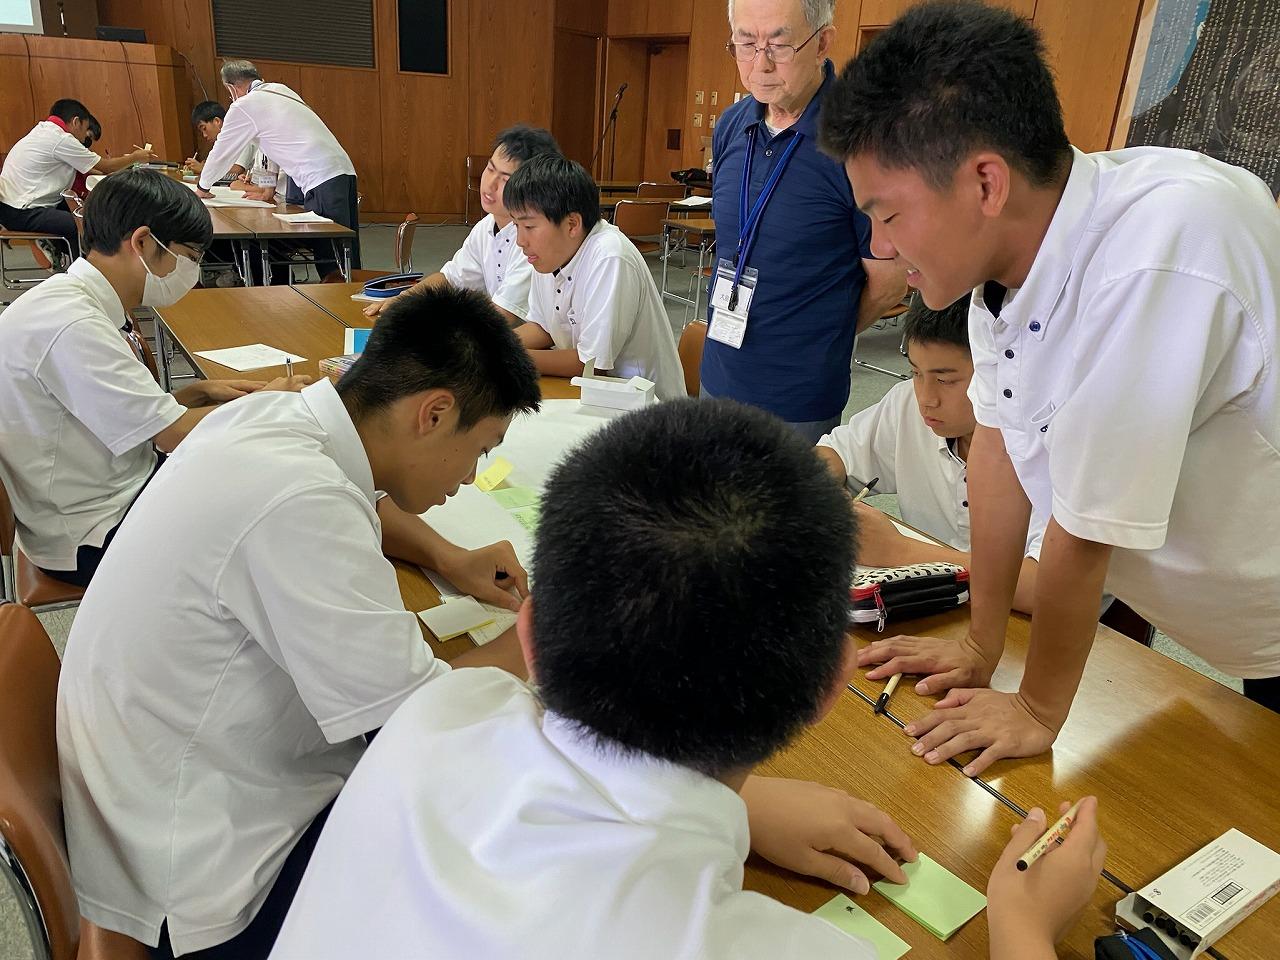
point(615, 393)
point(1206, 895)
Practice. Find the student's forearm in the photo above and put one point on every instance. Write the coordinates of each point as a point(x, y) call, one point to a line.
point(999, 513)
point(1068, 594)
point(512, 320)
point(112, 164)
point(406, 537)
point(559, 363)
point(886, 286)
point(1012, 941)
point(168, 439)
point(831, 460)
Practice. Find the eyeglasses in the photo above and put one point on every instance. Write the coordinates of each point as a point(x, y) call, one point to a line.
point(776, 52)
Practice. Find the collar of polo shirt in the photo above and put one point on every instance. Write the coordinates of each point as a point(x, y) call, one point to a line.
point(808, 122)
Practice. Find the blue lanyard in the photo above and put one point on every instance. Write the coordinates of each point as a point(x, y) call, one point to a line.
point(749, 221)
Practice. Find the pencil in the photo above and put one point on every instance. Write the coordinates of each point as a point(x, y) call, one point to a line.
point(866, 490)
point(882, 701)
point(288, 366)
point(1051, 837)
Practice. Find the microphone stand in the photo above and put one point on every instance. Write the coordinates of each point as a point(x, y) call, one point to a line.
point(611, 126)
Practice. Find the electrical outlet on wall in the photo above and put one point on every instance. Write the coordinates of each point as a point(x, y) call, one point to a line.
point(697, 119)
point(711, 122)
point(697, 97)
point(715, 97)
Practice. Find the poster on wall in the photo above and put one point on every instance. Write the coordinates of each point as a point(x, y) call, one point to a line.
point(1206, 76)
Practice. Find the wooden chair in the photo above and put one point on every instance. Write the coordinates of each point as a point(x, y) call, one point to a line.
point(690, 347)
point(641, 219)
point(476, 162)
point(33, 849)
point(24, 582)
point(403, 255)
point(11, 277)
point(660, 191)
point(141, 349)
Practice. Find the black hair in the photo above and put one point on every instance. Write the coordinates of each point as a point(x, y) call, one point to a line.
point(94, 130)
point(207, 110)
point(443, 338)
point(130, 199)
point(67, 110)
point(555, 187)
point(943, 80)
point(948, 325)
point(692, 565)
point(522, 142)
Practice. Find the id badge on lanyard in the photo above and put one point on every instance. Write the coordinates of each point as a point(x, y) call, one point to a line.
point(735, 283)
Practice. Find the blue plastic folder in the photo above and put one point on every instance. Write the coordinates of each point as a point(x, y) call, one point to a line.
point(842, 912)
point(933, 897)
point(356, 338)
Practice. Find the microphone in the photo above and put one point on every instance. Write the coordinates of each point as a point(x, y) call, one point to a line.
point(621, 89)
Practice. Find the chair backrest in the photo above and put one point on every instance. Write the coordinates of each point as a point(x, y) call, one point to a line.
point(30, 794)
point(8, 523)
point(692, 341)
point(664, 191)
point(404, 242)
point(640, 218)
point(141, 349)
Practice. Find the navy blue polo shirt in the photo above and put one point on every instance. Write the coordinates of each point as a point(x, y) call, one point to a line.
point(794, 360)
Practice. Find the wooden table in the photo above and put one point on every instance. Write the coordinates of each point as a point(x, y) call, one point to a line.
point(697, 230)
point(618, 186)
point(265, 227)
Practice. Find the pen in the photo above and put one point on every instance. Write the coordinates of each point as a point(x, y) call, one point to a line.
point(1051, 837)
point(882, 701)
point(288, 366)
point(866, 490)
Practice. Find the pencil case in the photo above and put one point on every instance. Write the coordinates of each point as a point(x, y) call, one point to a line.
point(1145, 944)
point(385, 287)
point(881, 594)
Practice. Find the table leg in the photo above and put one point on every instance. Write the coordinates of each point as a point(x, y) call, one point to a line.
point(346, 261)
point(244, 263)
point(666, 255)
point(266, 265)
point(162, 353)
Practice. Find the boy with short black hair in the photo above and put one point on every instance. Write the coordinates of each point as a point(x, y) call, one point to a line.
point(202, 739)
point(606, 810)
point(592, 297)
point(207, 117)
point(1124, 332)
point(44, 163)
point(79, 412)
point(916, 442)
point(489, 259)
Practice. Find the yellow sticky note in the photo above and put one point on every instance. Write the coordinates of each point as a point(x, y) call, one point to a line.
point(494, 474)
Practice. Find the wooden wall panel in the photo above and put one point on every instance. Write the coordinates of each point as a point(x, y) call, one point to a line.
point(712, 71)
point(575, 101)
point(668, 72)
point(654, 18)
point(584, 16)
point(21, 111)
point(1088, 42)
point(626, 61)
point(882, 12)
point(340, 97)
point(511, 72)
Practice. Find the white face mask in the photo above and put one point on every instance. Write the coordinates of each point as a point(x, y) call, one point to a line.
point(169, 289)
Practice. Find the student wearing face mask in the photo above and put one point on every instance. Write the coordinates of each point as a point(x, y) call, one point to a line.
point(82, 418)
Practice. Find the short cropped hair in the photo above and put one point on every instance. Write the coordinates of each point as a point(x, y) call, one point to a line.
point(207, 110)
point(443, 338)
point(523, 142)
point(130, 199)
point(67, 110)
point(555, 187)
point(948, 325)
point(692, 566)
point(94, 129)
point(817, 13)
point(238, 71)
point(945, 79)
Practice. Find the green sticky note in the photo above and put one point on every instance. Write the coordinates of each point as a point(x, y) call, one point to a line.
point(933, 897)
point(842, 912)
point(513, 498)
point(527, 517)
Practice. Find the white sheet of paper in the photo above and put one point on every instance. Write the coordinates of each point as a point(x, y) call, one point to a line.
point(254, 356)
point(308, 217)
point(362, 298)
point(237, 202)
point(692, 202)
point(456, 616)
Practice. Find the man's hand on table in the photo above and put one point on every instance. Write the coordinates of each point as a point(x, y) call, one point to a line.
point(203, 194)
point(204, 393)
point(823, 832)
point(288, 384)
point(999, 724)
point(373, 309)
point(945, 663)
point(488, 574)
point(1028, 911)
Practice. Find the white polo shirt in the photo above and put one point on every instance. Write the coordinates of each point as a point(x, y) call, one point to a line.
point(77, 414)
point(604, 304)
point(242, 633)
point(490, 261)
point(43, 164)
point(479, 826)
point(892, 442)
point(1133, 377)
point(286, 129)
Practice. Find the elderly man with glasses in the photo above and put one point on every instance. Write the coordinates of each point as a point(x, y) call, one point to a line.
point(795, 280)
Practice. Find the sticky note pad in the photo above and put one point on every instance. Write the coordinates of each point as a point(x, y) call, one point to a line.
point(456, 616)
point(354, 339)
point(513, 498)
point(933, 897)
point(527, 517)
point(494, 474)
point(842, 912)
